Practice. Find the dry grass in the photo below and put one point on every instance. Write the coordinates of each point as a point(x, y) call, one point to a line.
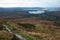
point(45, 30)
point(4, 35)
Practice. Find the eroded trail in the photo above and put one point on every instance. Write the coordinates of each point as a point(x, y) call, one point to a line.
point(18, 36)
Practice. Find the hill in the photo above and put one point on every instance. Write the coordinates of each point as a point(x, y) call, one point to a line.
point(29, 29)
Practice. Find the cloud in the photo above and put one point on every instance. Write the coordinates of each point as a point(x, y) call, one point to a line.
point(29, 3)
point(21, 3)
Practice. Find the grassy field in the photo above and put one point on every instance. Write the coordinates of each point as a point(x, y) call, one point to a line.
point(41, 30)
point(32, 29)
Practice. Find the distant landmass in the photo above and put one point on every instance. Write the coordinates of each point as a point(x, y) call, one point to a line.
point(28, 12)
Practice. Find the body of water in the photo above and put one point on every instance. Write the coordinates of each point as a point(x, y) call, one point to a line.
point(36, 12)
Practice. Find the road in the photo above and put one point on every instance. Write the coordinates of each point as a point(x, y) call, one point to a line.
point(18, 36)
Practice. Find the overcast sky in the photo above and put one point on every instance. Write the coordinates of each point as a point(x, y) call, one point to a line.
point(29, 3)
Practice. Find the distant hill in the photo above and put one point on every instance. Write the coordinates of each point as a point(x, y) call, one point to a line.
point(53, 8)
point(17, 13)
point(52, 15)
